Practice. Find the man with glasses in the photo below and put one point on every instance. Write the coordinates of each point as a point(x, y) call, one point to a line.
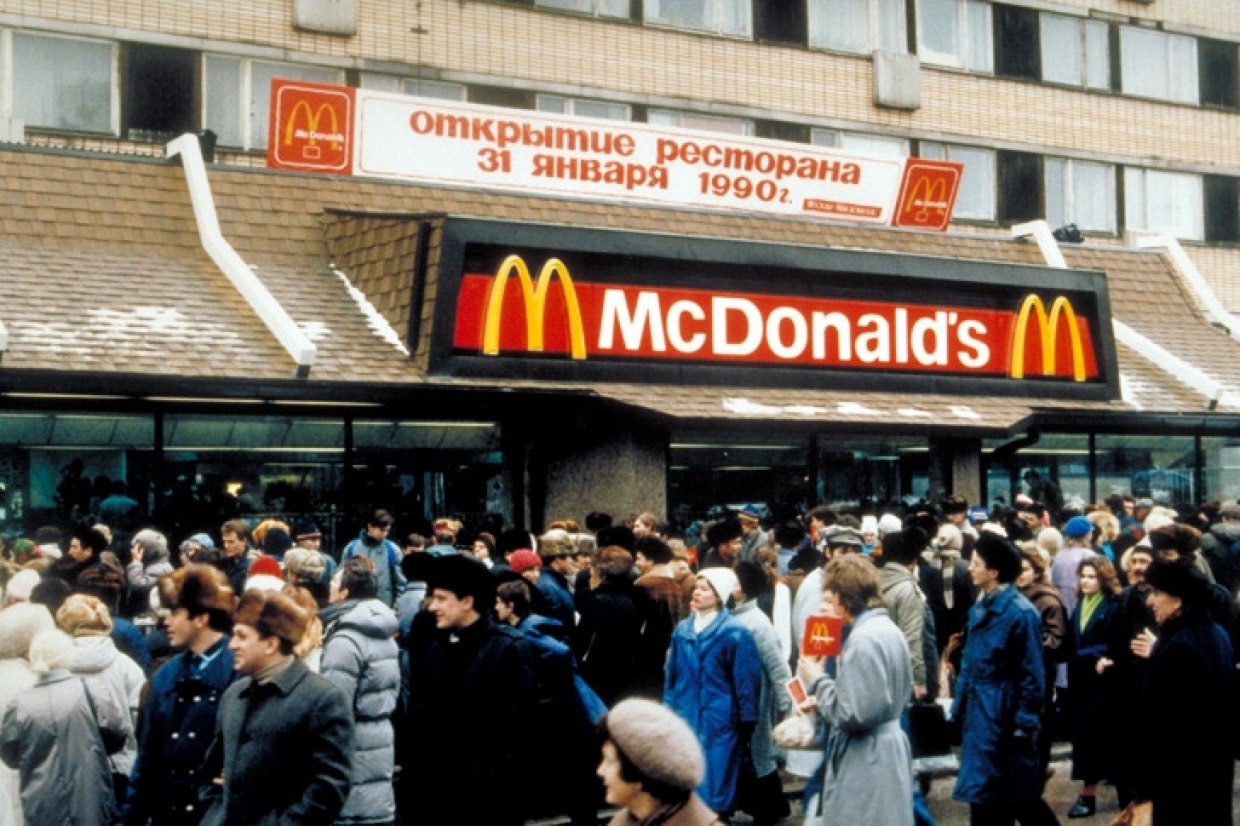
point(373, 543)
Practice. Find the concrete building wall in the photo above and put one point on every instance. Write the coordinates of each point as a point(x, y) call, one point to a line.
point(618, 471)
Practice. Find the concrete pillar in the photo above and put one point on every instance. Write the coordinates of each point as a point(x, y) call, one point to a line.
point(609, 466)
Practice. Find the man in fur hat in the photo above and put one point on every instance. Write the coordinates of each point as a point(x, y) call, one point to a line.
point(178, 718)
point(472, 707)
point(284, 732)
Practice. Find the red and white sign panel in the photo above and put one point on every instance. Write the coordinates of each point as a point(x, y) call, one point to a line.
point(481, 147)
point(695, 325)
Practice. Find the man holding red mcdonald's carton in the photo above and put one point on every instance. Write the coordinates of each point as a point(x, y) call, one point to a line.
point(868, 770)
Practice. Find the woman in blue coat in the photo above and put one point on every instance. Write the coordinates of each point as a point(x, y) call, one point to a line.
point(999, 695)
point(1097, 605)
point(714, 674)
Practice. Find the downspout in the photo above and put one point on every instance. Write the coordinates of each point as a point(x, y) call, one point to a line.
point(1164, 359)
point(1192, 276)
point(251, 288)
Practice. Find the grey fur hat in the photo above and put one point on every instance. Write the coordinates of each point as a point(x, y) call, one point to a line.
point(658, 742)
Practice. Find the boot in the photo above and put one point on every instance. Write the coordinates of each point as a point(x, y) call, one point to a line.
point(1084, 807)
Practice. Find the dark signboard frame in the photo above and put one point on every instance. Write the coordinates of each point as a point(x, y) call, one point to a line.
point(478, 245)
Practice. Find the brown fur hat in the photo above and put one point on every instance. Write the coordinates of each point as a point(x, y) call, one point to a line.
point(272, 614)
point(199, 589)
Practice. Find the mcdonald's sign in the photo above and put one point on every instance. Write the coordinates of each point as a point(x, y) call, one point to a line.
point(310, 127)
point(927, 194)
point(823, 635)
point(533, 297)
point(1048, 327)
point(579, 303)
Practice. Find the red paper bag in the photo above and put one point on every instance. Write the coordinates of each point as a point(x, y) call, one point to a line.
point(823, 635)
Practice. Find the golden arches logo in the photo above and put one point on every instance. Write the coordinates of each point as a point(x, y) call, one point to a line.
point(1048, 332)
point(820, 633)
point(312, 119)
point(926, 195)
point(534, 300)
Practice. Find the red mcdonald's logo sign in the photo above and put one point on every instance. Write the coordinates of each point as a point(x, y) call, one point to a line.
point(927, 194)
point(534, 300)
point(310, 127)
point(1048, 335)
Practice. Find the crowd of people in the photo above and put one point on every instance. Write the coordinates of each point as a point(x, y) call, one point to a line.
point(249, 675)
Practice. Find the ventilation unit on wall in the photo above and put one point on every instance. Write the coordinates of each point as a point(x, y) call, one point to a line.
point(897, 80)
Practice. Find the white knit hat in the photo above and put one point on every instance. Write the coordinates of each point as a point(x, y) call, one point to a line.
point(657, 741)
point(722, 580)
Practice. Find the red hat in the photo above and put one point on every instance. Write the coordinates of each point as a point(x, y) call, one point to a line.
point(266, 565)
point(523, 560)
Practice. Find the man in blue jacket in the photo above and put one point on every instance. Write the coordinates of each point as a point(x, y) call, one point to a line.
point(373, 543)
point(178, 719)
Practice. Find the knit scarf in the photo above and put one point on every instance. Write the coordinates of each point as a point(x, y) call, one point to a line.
point(1089, 603)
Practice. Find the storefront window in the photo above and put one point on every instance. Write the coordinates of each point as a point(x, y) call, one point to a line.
point(1054, 471)
point(1159, 467)
point(420, 470)
point(1220, 460)
point(709, 472)
point(57, 467)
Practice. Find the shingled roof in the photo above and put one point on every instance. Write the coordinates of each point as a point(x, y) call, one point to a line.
point(102, 273)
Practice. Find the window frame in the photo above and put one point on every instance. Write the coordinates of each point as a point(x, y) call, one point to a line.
point(656, 117)
point(1137, 184)
point(1087, 31)
point(1071, 193)
point(1170, 77)
point(967, 27)
point(249, 111)
point(594, 10)
point(877, 11)
point(8, 72)
point(571, 104)
point(944, 151)
point(717, 12)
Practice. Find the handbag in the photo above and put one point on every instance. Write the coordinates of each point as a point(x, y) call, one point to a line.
point(799, 731)
point(1135, 814)
point(928, 730)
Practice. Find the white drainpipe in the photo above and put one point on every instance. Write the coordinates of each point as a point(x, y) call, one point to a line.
point(251, 288)
point(1192, 276)
point(1157, 355)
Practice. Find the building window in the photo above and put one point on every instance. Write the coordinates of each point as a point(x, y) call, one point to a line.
point(1222, 202)
point(975, 199)
point(584, 108)
point(1220, 73)
point(412, 86)
point(238, 96)
point(1075, 51)
point(1016, 42)
point(596, 8)
point(955, 33)
point(859, 26)
point(696, 120)
point(65, 83)
point(1081, 193)
point(1158, 65)
point(860, 142)
point(159, 91)
point(733, 17)
point(1168, 202)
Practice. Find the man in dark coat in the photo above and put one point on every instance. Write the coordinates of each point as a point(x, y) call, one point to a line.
point(1186, 768)
point(472, 703)
point(284, 732)
point(178, 717)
